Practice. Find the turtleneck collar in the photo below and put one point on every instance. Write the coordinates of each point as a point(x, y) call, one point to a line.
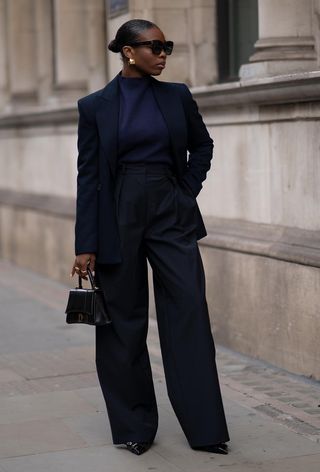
point(133, 80)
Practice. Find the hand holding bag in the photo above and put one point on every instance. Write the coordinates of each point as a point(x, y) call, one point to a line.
point(87, 305)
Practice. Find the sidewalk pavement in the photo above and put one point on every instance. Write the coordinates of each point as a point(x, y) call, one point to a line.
point(53, 416)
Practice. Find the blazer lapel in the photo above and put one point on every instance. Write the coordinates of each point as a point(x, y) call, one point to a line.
point(107, 116)
point(173, 113)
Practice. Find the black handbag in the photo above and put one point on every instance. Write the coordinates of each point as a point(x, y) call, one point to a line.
point(87, 305)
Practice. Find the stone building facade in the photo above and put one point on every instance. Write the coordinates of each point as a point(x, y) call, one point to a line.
point(253, 68)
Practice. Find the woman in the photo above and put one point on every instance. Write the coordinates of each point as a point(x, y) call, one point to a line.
point(136, 201)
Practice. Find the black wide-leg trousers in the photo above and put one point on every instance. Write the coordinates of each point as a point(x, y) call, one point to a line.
point(157, 222)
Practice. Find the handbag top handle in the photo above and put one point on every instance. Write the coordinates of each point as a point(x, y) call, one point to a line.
point(91, 278)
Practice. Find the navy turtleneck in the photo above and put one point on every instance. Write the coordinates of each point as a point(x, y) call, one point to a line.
point(143, 133)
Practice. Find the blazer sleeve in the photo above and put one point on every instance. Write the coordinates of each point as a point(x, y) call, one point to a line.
point(86, 224)
point(200, 144)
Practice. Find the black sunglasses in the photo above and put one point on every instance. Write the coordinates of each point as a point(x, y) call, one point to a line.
point(156, 45)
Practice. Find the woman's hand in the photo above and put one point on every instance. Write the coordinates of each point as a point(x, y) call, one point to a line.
point(81, 262)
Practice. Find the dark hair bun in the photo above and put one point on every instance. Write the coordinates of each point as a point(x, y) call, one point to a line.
point(114, 46)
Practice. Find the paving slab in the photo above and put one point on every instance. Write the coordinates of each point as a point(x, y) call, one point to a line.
point(42, 406)
point(97, 459)
point(94, 429)
point(53, 416)
point(309, 463)
point(36, 437)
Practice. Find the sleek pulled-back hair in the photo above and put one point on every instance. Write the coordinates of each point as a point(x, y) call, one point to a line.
point(129, 32)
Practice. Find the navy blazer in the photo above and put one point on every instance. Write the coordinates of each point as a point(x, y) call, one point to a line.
point(96, 228)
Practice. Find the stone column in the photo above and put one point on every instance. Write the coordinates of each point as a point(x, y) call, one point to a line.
point(43, 15)
point(191, 24)
point(202, 34)
point(4, 92)
point(286, 43)
point(96, 44)
point(70, 70)
point(21, 51)
point(316, 29)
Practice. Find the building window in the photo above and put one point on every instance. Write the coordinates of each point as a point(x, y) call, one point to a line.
point(117, 7)
point(237, 33)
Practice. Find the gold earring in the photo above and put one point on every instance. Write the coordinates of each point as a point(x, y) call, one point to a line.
point(131, 61)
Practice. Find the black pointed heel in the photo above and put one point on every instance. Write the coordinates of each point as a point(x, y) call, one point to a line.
point(138, 447)
point(219, 448)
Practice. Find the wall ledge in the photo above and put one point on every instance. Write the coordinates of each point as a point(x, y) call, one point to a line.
point(289, 88)
point(63, 207)
point(294, 245)
point(289, 244)
point(40, 116)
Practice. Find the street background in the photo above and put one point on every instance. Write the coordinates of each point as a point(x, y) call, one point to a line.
point(253, 68)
